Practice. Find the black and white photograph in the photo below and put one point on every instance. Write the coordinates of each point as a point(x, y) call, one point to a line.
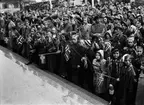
point(71, 52)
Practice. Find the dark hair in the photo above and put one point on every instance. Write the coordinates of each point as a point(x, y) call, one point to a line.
point(99, 54)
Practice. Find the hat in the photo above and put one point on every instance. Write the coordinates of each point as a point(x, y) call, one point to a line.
point(115, 50)
point(101, 52)
point(124, 57)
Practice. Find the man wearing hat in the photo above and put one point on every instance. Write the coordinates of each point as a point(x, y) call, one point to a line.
point(119, 39)
point(97, 29)
point(73, 54)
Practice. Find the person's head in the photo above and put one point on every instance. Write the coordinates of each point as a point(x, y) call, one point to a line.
point(117, 19)
point(125, 16)
point(127, 59)
point(97, 19)
point(138, 24)
point(139, 50)
point(26, 22)
point(54, 31)
point(98, 55)
point(73, 21)
point(19, 24)
point(124, 25)
point(66, 20)
point(107, 35)
point(118, 30)
point(105, 20)
point(130, 41)
point(115, 53)
point(85, 20)
point(32, 30)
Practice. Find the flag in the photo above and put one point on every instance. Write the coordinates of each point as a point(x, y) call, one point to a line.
point(100, 79)
point(20, 40)
point(42, 58)
point(67, 52)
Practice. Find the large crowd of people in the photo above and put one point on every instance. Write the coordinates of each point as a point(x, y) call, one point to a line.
point(98, 48)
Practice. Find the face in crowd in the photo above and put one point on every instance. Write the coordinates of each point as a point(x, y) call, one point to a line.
point(138, 24)
point(116, 54)
point(54, 30)
point(85, 20)
point(98, 56)
point(130, 42)
point(127, 60)
point(139, 51)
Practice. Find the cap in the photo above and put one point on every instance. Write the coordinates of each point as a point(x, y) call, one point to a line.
point(115, 50)
point(101, 53)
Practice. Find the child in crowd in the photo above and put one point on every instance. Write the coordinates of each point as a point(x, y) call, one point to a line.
point(99, 67)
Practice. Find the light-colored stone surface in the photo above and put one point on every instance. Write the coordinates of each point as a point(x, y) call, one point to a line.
point(23, 85)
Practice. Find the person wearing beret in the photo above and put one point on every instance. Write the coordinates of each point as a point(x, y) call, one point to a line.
point(97, 29)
